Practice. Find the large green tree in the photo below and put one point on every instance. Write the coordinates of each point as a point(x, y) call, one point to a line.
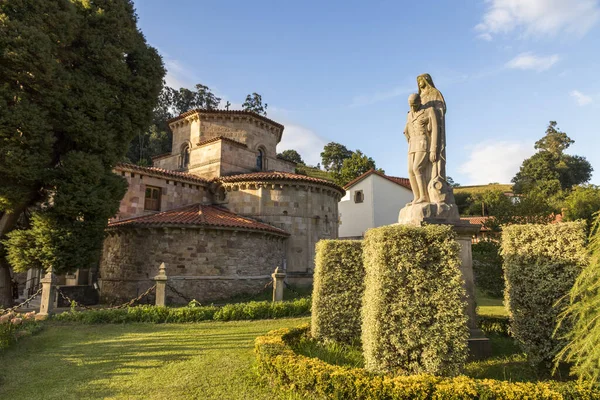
point(353, 167)
point(291, 155)
point(550, 171)
point(79, 82)
point(254, 103)
point(333, 156)
point(582, 203)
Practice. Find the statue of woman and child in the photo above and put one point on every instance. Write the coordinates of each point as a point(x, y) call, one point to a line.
point(425, 132)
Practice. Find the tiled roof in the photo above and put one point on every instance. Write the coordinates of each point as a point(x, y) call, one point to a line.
point(160, 172)
point(198, 215)
point(476, 221)
point(277, 176)
point(227, 112)
point(399, 181)
point(223, 138)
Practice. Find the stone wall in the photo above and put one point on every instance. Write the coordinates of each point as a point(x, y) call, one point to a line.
point(173, 194)
point(309, 212)
point(203, 264)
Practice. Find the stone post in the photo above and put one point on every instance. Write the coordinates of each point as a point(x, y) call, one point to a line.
point(161, 286)
point(479, 345)
point(278, 284)
point(48, 295)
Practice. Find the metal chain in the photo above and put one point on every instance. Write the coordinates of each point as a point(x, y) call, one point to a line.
point(128, 304)
point(270, 283)
point(26, 302)
point(178, 293)
point(287, 285)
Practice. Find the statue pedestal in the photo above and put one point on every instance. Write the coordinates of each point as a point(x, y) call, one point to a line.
point(431, 213)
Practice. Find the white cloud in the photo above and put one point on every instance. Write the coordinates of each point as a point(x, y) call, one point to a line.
point(304, 141)
point(495, 161)
point(530, 61)
point(178, 75)
point(539, 17)
point(581, 98)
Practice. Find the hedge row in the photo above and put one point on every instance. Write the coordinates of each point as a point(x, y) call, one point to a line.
point(541, 263)
point(230, 312)
point(278, 362)
point(414, 318)
point(337, 291)
point(494, 325)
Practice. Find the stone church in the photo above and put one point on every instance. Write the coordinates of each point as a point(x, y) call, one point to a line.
point(221, 211)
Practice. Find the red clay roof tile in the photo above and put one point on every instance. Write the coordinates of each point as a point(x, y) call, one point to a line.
point(160, 172)
point(198, 215)
point(227, 112)
point(400, 181)
point(278, 175)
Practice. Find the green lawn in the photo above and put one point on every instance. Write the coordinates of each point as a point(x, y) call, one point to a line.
point(490, 307)
point(211, 360)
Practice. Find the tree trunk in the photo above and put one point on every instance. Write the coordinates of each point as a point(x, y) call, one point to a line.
point(7, 224)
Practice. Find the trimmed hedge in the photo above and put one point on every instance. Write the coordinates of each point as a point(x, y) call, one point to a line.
point(337, 291)
point(414, 318)
point(487, 267)
point(230, 312)
point(278, 363)
point(494, 325)
point(541, 263)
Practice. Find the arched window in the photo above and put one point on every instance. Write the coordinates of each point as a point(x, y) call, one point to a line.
point(260, 160)
point(185, 155)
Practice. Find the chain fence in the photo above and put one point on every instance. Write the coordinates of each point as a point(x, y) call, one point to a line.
point(124, 305)
point(25, 303)
point(178, 293)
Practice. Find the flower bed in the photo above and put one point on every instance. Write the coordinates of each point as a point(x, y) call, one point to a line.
point(14, 326)
point(280, 364)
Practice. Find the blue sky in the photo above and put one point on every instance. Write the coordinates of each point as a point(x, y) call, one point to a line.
point(342, 71)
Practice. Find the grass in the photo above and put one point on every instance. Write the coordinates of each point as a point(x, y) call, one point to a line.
point(207, 360)
point(489, 306)
point(313, 172)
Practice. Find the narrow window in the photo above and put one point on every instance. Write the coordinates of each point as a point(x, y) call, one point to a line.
point(185, 156)
point(152, 199)
point(260, 160)
point(359, 196)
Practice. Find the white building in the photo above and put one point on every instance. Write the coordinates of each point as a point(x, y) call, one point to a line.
point(373, 199)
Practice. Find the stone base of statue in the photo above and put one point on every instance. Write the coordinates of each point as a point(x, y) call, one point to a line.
point(417, 214)
point(447, 214)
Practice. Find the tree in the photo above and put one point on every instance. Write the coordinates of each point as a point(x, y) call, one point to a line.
point(550, 171)
point(157, 138)
point(451, 182)
point(354, 167)
point(582, 203)
point(291, 155)
point(333, 156)
point(79, 83)
point(254, 103)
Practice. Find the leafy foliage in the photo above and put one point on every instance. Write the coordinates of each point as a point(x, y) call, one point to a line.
point(281, 364)
point(79, 83)
point(254, 103)
point(582, 203)
point(550, 170)
point(192, 313)
point(337, 291)
point(353, 167)
point(414, 318)
point(487, 267)
point(541, 263)
point(291, 155)
point(583, 348)
point(333, 156)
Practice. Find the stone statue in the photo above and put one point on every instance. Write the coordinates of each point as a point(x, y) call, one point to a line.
point(426, 134)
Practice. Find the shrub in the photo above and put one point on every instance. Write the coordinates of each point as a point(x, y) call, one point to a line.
point(191, 313)
point(494, 325)
point(14, 326)
point(487, 267)
point(280, 364)
point(541, 263)
point(414, 313)
point(583, 348)
point(337, 291)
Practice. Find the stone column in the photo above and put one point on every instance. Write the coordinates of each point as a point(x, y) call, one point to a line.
point(278, 284)
point(161, 286)
point(479, 345)
point(48, 295)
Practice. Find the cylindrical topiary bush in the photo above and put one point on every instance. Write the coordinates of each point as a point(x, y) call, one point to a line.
point(414, 313)
point(541, 263)
point(337, 291)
